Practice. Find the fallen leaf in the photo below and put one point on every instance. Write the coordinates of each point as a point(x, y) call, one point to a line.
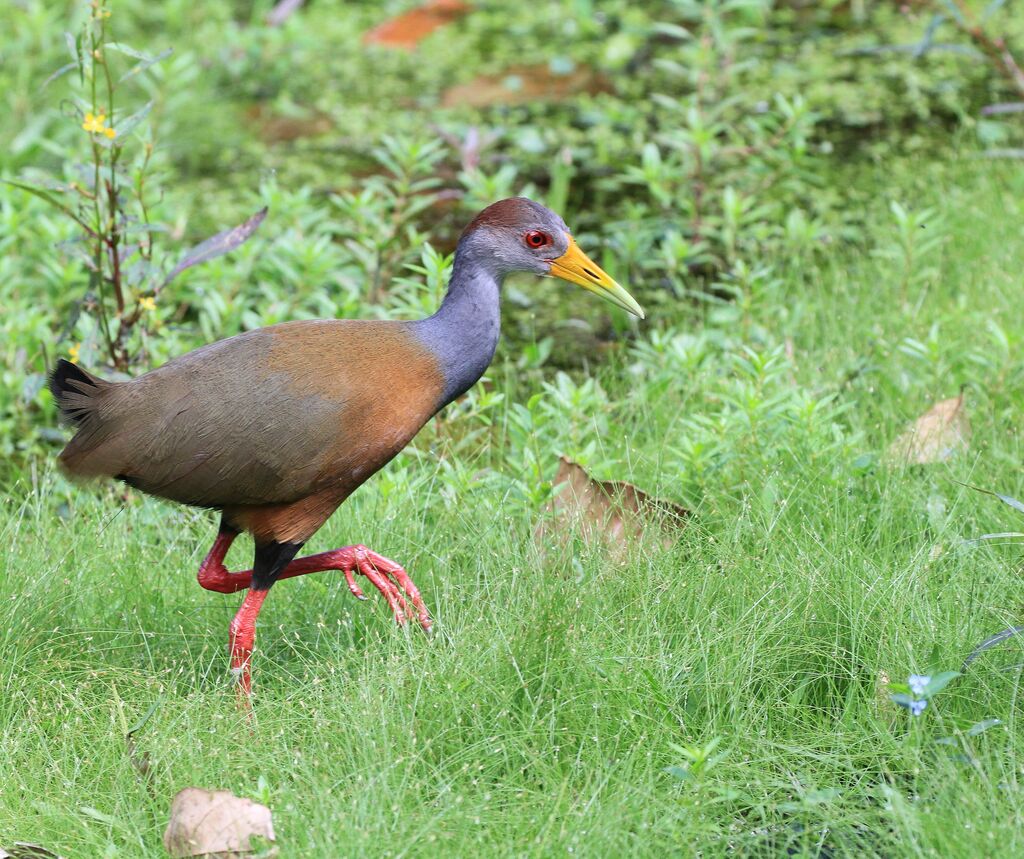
point(610, 512)
point(407, 30)
point(522, 84)
point(216, 823)
point(279, 128)
point(24, 850)
point(941, 432)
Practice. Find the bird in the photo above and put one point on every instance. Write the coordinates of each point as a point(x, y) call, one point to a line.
point(277, 426)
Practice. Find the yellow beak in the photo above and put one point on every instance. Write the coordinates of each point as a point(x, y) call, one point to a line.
point(576, 267)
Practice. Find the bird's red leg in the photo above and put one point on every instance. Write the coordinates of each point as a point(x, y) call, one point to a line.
point(214, 576)
point(242, 636)
point(389, 577)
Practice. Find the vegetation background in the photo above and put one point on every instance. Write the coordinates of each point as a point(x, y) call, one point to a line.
point(818, 203)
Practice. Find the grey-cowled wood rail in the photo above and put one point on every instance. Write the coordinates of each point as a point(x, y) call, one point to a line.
point(277, 427)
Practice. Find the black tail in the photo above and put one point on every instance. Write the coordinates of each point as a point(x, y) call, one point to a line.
point(74, 390)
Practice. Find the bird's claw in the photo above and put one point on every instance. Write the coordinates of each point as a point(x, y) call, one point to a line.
point(390, 579)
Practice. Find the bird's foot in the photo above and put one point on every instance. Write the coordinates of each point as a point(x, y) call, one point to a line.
point(387, 576)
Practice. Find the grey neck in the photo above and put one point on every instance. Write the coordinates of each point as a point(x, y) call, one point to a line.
point(463, 334)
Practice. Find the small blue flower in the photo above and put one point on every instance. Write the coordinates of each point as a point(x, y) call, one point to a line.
point(918, 683)
point(917, 707)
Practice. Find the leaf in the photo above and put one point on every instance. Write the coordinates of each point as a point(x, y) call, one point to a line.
point(139, 68)
point(38, 192)
point(957, 14)
point(524, 84)
point(929, 35)
point(31, 386)
point(1003, 107)
point(672, 31)
point(681, 773)
point(609, 512)
point(1003, 535)
point(63, 70)
point(25, 850)
point(126, 127)
point(215, 821)
point(100, 816)
point(217, 245)
point(130, 51)
point(939, 682)
point(1006, 499)
point(944, 47)
point(1009, 499)
point(992, 8)
point(407, 30)
point(141, 723)
point(140, 759)
point(937, 435)
point(982, 726)
point(276, 127)
point(990, 642)
point(282, 11)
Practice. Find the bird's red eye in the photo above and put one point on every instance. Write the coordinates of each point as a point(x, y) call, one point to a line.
point(537, 239)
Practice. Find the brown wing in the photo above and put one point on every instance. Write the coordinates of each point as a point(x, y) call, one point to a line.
point(266, 417)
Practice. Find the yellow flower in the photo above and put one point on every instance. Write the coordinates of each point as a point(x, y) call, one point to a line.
point(94, 122)
point(147, 302)
point(73, 353)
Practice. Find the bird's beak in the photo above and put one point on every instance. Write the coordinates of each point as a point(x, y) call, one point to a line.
point(576, 267)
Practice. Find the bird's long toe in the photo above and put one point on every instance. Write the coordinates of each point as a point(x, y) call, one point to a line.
point(388, 577)
point(401, 577)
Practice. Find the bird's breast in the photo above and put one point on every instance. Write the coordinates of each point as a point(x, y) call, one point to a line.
point(373, 384)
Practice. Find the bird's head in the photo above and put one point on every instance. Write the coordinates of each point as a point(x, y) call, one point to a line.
point(518, 234)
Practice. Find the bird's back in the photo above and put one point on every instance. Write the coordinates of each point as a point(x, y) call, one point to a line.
point(267, 417)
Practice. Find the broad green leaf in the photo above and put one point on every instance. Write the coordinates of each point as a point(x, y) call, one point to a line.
point(130, 123)
point(982, 726)
point(1013, 502)
point(939, 682)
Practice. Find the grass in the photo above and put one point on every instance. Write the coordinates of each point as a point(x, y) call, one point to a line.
point(540, 719)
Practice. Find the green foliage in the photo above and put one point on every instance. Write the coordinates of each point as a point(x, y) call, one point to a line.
point(706, 155)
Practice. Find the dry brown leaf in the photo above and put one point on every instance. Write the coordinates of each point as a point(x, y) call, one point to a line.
point(610, 512)
point(940, 433)
point(521, 84)
point(407, 30)
point(276, 128)
point(25, 850)
point(215, 823)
